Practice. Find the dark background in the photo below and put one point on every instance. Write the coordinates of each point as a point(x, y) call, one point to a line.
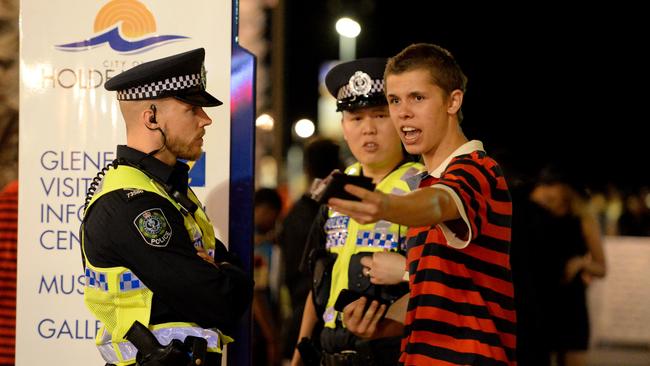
point(548, 83)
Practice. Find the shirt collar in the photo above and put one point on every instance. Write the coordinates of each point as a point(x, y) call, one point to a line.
point(466, 148)
point(175, 175)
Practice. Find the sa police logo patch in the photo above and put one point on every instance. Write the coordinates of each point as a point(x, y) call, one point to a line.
point(154, 227)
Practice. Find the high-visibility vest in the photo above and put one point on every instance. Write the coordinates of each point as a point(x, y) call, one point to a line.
point(346, 237)
point(118, 298)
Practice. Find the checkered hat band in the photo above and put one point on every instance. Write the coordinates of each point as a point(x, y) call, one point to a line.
point(376, 86)
point(154, 89)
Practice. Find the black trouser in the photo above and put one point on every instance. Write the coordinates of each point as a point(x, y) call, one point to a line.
point(341, 348)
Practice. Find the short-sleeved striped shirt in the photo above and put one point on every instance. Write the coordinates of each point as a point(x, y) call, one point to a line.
point(461, 308)
point(8, 239)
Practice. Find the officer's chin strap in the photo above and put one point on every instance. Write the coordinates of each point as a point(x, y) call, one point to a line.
point(151, 353)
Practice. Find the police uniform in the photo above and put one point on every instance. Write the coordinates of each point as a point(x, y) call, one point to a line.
point(337, 243)
point(141, 231)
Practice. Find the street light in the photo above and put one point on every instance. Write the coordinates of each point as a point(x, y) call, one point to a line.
point(304, 128)
point(348, 30)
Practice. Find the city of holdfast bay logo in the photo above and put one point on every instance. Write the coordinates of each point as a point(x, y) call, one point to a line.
point(127, 26)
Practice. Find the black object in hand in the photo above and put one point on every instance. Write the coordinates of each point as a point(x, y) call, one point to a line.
point(332, 186)
point(347, 296)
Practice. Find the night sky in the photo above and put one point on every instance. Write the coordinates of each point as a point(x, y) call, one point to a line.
point(547, 84)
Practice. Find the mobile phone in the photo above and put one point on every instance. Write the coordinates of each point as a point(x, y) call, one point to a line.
point(332, 186)
point(347, 296)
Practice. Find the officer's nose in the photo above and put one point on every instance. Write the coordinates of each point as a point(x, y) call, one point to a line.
point(369, 126)
point(205, 119)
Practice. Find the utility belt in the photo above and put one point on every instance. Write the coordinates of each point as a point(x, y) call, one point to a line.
point(342, 348)
point(192, 351)
point(345, 358)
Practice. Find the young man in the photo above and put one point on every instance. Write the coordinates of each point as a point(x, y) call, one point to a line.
point(150, 252)
point(461, 301)
point(342, 242)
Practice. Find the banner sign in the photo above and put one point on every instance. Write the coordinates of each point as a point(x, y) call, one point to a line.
point(69, 128)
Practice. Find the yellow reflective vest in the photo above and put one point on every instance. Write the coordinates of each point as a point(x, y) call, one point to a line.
point(346, 237)
point(118, 298)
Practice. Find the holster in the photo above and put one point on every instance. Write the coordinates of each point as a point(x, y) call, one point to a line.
point(309, 353)
point(342, 348)
point(321, 263)
point(176, 353)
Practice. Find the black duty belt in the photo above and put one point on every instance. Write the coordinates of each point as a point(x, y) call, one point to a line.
point(345, 358)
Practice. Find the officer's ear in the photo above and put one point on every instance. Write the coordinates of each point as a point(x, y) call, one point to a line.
point(149, 116)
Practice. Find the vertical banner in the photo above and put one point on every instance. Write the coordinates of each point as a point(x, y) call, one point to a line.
point(69, 127)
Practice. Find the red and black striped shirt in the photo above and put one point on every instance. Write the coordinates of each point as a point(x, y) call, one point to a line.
point(461, 308)
point(8, 239)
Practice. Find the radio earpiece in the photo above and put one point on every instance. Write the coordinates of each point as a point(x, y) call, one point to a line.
point(152, 118)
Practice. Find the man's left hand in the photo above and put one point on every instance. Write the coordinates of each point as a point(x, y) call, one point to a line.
point(385, 268)
point(360, 323)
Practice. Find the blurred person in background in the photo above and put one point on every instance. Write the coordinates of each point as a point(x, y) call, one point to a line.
point(534, 227)
point(577, 257)
point(635, 219)
point(321, 156)
point(337, 243)
point(267, 258)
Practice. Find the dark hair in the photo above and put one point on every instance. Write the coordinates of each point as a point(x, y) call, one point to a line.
point(443, 68)
point(561, 174)
point(268, 196)
point(321, 156)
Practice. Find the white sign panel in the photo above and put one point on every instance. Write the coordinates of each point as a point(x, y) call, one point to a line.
point(620, 302)
point(69, 128)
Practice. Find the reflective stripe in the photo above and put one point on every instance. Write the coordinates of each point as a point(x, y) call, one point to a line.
point(164, 335)
point(377, 239)
point(129, 281)
point(96, 279)
point(99, 280)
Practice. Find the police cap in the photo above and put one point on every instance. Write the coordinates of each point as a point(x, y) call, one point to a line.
point(357, 84)
point(181, 76)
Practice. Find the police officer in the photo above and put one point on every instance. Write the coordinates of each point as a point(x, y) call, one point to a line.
point(150, 253)
point(338, 243)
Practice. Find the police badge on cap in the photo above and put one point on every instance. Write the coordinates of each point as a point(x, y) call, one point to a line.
point(181, 76)
point(357, 84)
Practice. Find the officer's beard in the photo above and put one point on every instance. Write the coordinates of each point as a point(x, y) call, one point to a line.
point(183, 150)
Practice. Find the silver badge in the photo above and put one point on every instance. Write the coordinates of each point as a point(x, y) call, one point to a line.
point(360, 83)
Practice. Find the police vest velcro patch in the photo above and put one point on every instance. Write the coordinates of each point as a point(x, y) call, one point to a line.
point(154, 227)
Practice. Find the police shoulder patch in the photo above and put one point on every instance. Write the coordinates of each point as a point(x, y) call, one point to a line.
point(154, 227)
